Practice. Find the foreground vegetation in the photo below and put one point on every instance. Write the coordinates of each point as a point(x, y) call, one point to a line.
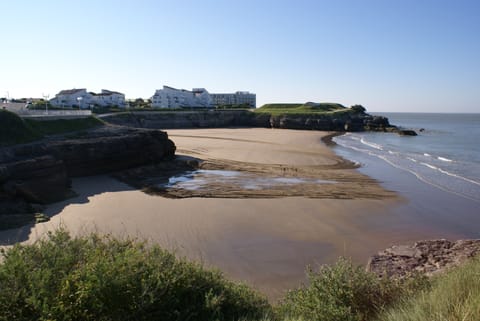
point(103, 278)
point(454, 296)
point(15, 130)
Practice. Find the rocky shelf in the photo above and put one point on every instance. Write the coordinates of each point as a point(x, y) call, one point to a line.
point(425, 257)
point(38, 173)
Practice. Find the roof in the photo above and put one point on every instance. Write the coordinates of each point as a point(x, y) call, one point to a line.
point(70, 91)
point(109, 92)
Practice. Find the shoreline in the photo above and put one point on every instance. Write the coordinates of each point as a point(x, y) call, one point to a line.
point(267, 242)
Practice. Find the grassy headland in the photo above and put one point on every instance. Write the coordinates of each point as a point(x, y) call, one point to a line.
point(102, 278)
point(15, 130)
point(306, 109)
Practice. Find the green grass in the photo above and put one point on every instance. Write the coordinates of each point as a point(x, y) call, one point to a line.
point(302, 109)
point(61, 126)
point(103, 278)
point(454, 296)
point(15, 130)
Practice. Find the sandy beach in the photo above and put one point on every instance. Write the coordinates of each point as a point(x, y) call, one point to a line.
point(266, 242)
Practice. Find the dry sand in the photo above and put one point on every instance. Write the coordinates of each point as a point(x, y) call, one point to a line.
point(266, 242)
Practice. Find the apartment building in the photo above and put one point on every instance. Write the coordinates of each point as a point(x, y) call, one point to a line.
point(170, 97)
point(238, 98)
point(83, 99)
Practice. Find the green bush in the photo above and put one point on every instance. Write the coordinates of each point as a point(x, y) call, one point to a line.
point(454, 296)
point(102, 278)
point(341, 292)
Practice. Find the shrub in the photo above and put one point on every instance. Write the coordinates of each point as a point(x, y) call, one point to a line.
point(341, 292)
point(103, 278)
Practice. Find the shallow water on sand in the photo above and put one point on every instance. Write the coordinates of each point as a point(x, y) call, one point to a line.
point(197, 179)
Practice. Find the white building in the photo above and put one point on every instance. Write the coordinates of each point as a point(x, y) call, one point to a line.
point(72, 98)
point(108, 98)
point(83, 99)
point(236, 99)
point(169, 97)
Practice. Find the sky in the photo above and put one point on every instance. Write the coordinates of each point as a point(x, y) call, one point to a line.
point(387, 55)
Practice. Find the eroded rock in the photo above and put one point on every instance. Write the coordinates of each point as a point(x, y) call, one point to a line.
point(426, 257)
point(40, 172)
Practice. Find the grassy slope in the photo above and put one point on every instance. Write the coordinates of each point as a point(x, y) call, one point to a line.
point(61, 126)
point(302, 109)
point(15, 130)
point(454, 296)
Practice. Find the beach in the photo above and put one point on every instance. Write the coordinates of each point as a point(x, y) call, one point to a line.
point(266, 241)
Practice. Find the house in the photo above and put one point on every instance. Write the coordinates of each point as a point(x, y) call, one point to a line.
point(72, 98)
point(170, 97)
point(236, 99)
point(82, 99)
point(108, 98)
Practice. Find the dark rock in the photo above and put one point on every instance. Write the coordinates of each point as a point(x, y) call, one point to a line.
point(40, 172)
point(39, 179)
point(406, 132)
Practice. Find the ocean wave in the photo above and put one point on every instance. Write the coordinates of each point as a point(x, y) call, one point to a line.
point(430, 166)
point(373, 145)
point(444, 159)
point(432, 173)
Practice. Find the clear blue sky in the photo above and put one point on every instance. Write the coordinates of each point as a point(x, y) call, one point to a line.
point(388, 55)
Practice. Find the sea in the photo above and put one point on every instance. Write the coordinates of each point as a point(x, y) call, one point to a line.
point(437, 172)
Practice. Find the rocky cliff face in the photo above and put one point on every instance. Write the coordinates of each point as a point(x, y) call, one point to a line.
point(40, 172)
point(345, 122)
point(231, 118)
point(184, 119)
point(426, 257)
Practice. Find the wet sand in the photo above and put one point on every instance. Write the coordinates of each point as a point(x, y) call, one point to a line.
point(265, 242)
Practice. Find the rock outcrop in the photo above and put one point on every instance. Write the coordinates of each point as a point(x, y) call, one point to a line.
point(406, 132)
point(39, 173)
point(342, 122)
point(425, 257)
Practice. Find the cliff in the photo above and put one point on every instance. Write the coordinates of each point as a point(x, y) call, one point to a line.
point(348, 121)
point(39, 173)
